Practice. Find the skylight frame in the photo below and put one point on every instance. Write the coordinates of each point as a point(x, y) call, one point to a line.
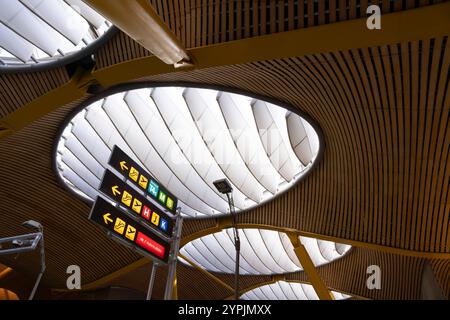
point(57, 60)
point(150, 84)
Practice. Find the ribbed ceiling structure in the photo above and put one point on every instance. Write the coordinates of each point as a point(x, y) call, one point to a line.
point(283, 290)
point(381, 102)
point(263, 252)
point(36, 31)
point(187, 138)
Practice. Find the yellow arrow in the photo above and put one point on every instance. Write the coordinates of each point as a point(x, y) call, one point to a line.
point(115, 190)
point(123, 165)
point(106, 218)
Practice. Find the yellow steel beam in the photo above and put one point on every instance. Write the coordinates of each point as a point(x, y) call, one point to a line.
point(206, 273)
point(397, 27)
point(273, 279)
point(308, 266)
point(104, 281)
point(223, 224)
point(75, 89)
point(5, 272)
point(175, 287)
point(141, 22)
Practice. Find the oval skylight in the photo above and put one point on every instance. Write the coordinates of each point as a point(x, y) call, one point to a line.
point(37, 31)
point(263, 252)
point(283, 290)
point(187, 138)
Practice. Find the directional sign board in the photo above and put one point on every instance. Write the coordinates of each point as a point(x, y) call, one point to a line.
point(120, 161)
point(119, 224)
point(137, 204)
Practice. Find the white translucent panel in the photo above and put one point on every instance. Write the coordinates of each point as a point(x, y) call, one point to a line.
point(207, 115)
point(175, 113)
point(78, 182)
point(279, 292)
point(35, 31)
point(236, 111)
point(340, 296)
point(205, 255)
point(109, 134)
point(251, 296)
point(309, 292)
point(262, 251)
point(130, 132)
point(313, 137)
point(180, 136)
point(283, 290)
point(299, 139)
point(76, 165)
point(87, 12)
point(329, 251)
point(268, 292)
point(61, 17)
point(15, 44)
point(91, 141)
point(197, 257)
point(17, 17)
point(75, 147)
point(225, 240)
point(273, 142)
point(281, 252)
point(291, 292)
point(151, 123)
point(289, 250)
point(219, 252)
point(342, 248)
point(6, 55)
point(279, 117)
point(264, 255)
point(248, 253)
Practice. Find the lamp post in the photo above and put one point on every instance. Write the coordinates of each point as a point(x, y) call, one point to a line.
point(223, 186)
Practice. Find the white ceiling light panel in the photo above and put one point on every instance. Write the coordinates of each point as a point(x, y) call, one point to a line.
point(263, 252)
point(187, 138)
point(283, 290)
point(33, 31)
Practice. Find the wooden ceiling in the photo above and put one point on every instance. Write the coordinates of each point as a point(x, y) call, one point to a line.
point(382, 180)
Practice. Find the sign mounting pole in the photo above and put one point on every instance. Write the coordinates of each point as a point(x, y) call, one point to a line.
point(152, 280)
point(174, 256)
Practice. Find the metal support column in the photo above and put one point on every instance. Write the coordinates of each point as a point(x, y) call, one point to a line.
point(27, 243)
point(308, 266)
point(42, 265)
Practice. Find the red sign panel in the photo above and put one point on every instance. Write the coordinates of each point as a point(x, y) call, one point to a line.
point(150, 245)
point(122, 226)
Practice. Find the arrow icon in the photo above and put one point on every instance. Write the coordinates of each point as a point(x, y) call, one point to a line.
point(106, 218)
point(123, 165)
point(115, 190)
